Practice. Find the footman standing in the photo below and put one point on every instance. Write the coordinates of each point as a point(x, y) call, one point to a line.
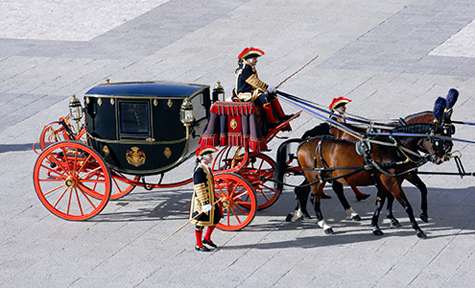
point(204, 209)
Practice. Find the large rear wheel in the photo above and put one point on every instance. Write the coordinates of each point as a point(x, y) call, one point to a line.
point(63, 182)
point(260, 172)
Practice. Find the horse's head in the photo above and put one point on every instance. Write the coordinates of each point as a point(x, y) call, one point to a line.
point(439, 144)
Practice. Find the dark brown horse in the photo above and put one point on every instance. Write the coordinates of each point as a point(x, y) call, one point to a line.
point(303, 190)
point(323, 159)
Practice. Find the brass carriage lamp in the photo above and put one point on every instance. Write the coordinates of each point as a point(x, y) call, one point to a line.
point(218, 92)
point(186, 112)
point(75, 112)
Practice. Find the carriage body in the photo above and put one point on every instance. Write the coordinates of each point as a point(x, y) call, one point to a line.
point(137, 127)
point(127, 131)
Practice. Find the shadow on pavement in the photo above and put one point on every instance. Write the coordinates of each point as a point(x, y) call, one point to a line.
point(450, 209)
point(4, 148)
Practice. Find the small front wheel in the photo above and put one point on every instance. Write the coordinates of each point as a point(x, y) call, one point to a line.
point(233, 193)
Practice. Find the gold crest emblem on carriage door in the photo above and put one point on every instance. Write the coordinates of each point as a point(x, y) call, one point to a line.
point(167, 152)
point(135, 156)
point(170, 103)
point(233, 124)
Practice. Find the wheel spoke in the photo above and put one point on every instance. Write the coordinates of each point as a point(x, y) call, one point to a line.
point(91, 172)
point(93, 181)
point(260, 166)
point(75, 159)
point(264, 194)
point(52, 170)
point(51, 180)
point(241, 210)
point(87, 198)
point(240, 195)
point(61, 197)
point(53, 190)
point(84, 164)
point(235, 215)
point(243, 203)
point(55, 161)
point(116, 184)
point(95, 184)
point(69, 200)
point(79, 202)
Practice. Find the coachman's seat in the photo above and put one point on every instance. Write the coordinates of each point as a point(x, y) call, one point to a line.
point(235, 124)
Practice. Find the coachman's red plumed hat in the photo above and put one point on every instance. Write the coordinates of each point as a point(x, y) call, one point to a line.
point(249, 52)
point(338, 101)
point(202, 150)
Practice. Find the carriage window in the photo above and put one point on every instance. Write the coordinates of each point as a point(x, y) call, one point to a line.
point(134, 119)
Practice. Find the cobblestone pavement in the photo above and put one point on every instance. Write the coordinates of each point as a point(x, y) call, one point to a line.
point(391, 57)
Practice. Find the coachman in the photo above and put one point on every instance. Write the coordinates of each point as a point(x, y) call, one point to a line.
point(250, 88)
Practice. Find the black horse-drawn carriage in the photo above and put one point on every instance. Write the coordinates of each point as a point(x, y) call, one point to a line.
point(136, 129)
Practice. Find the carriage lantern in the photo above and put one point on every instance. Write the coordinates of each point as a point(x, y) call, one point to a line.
point(186, 112)
point(75, 112)
point(218, 91)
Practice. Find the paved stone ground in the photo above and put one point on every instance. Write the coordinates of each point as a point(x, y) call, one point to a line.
point(392, 57)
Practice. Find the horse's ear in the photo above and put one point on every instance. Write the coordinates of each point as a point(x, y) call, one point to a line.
point(439, 108)
point(452, 97)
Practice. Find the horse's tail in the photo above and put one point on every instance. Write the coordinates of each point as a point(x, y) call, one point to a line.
point(281, 161)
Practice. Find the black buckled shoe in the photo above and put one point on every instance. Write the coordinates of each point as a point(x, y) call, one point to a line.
point(210, 243)
point(202, 249)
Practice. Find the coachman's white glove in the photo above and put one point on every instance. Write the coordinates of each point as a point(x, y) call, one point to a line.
point(206, 208)
point(271, 89)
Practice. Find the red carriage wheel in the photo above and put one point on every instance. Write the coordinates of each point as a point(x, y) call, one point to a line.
point(122, 184)
point(230, 159)
point(63, 181)
point(233, 192)
point(259, 172)
point(55, 132)
point(52, 133)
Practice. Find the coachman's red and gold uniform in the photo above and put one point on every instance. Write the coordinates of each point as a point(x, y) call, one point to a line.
point(204, 210)
point(250, 88)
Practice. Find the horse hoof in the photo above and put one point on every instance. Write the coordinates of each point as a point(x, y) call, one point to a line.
point(356, 218)
point(395, 223)
point(421, 235)
point(424, 218)
point(329, 231)
point(378, 232)
point(288, 218)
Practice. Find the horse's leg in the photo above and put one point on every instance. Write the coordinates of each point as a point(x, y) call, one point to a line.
point(338, 188)
point(391, 184)
point(380, 198)
point(317, 190)
point(359, 195)
point(394, 222)
point(415, 180)
point(301, 193)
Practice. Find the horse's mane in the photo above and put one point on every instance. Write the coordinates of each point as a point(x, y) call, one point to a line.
point(418, 114)
point(413, 128)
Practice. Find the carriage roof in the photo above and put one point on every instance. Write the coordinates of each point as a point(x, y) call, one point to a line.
point(150, 89)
